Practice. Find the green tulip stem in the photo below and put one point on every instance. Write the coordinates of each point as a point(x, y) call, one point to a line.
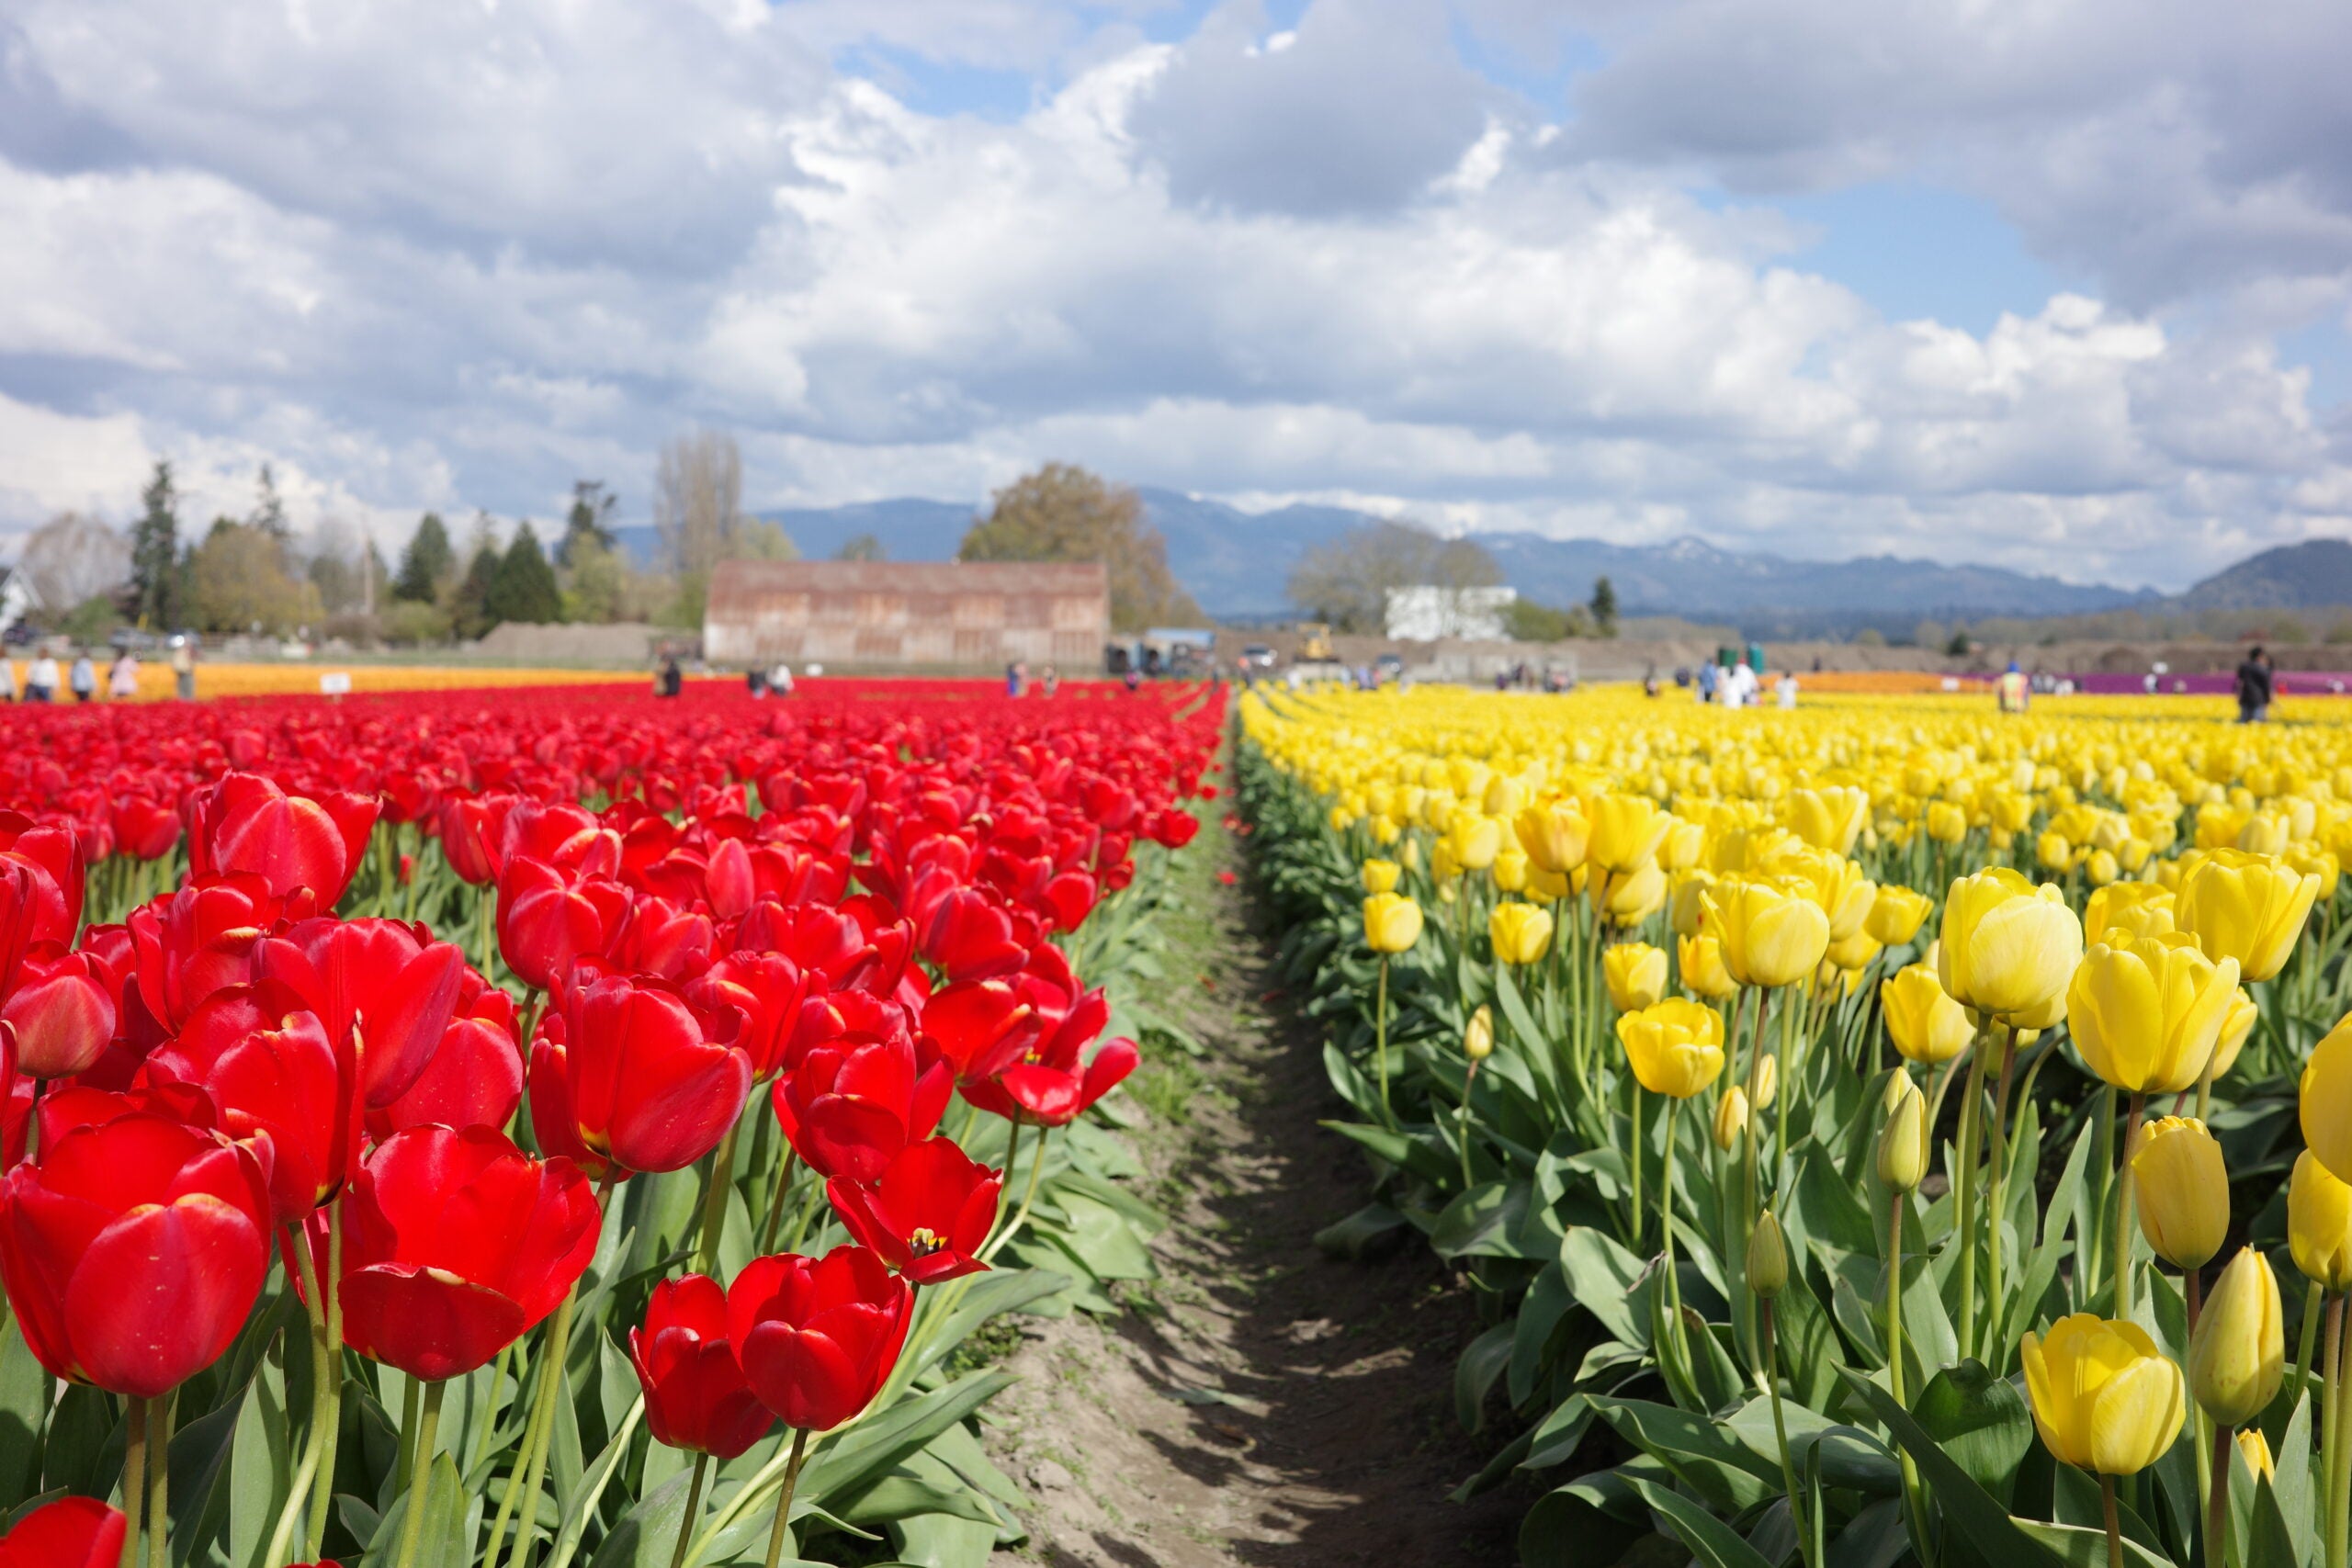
point(1380, 1044)
point(425, 1433)
point(2114, 1524)
point(1012, 1164)
point(693, 1510)
point(1633, 1154)
point(500, 1368)
point(1028, 1197)
point(485, 941)
point(1780, 1434)
point(1462, 1126)
point(784, 1498)
point(714, 1199)
point(2339, 1452)
point(530, 1460)
point(1915, 1499)
point(326, 1406)
point(410, 1398)
point(776, 1199)
point(1995, 1205)
point(2125, 1219)
point(2094, 1257)
point(134, 1479)
point(1963, 1181)
point(1750, 1198)
point(2217, 1509)
point(298, 1496)
point(1785, 1090)
point(1666, 1228)
point(159, 1482)
point(2312, 1296)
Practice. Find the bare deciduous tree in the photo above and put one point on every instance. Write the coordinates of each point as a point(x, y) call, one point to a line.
point(698, 501)
point(1347, 581)
point(73, 557)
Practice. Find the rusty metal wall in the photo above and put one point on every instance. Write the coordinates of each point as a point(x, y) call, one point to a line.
point(909, 614)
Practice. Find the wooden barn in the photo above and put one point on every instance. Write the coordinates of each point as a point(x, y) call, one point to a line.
point(930, 616)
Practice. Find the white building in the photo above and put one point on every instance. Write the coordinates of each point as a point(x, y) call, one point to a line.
point(1429, 612)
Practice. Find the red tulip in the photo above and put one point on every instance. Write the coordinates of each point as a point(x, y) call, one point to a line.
point(72, 1532)
point(146, 828)
point(630, 1073)
point(769, 992)
point(469, 832)
point(818, 1337)
point(246, 823)
point(928, 1215)
point(663, 940)
point(561, 834)
point(384, 991)
point(851, 1106)
point(63, 1011)
point(133, 1250)
point(696, 1395)
point(1048, 1083)
point(1172, 830)
point(52, 905)
point(980, 1026)
point(821, 940)
point(971, 937)
point(13, 1112)
point(475, 1075)
point(456, 1244)
point(549, 917)
point(1071, 897)
point(191, 944)
point(267, 1064)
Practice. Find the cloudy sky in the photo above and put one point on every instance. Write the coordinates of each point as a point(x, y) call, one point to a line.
point(2061, 285)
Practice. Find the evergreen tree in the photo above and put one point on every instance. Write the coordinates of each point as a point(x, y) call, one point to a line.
point(426, 563)
point(470, 616)
point(522, 587)
point(155, 553)
point(591, 519)
point(269, 513)
point(1604, 605)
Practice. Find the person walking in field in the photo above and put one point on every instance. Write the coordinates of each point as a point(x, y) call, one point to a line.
point(2012, 691)
point(122, 677)
point(2254, 687)
point(84, 679)
point(184, 668)
point(40, 681)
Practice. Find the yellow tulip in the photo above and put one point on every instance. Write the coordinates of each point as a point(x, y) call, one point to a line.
point(2142, 909)
point(1555, 835)
point(2320, 863)
point(1626, 831)
point(2008, 946)
point(1479, 1038)
point(1903, 1142)
point(1767, 1258)
point(2237, 1353)
point(1676, 1047)
point(1684, 844)
point(1700, 959)
point(1768, 1082)
point(2051, 851)
point(1521, 934)
point(1632, 897)
point(1380, 875)
point(1635, 973)
point(1897, 914)
point(2104, 1398)
point(1510, 871)
point(2101, 868)
point(2255, 1450)
point(1392, 922)
point(1504, 796)
point(1550, 885)
point(1829, 819)
point(1854, 952)
point(2319, 1224)
point(2326, 1100)
point(2183, 1190)
point(2249, 908)
point(1771, 936)
point(2146, 1015)
point(1475, 839)
point(1444, 866)
point(1685, 911)
point(1947, 823)
point(2237, 1027)
point(1926, 1025)
point(1731, 1118)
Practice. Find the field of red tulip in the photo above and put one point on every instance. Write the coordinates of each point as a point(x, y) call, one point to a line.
point(553, 1127)
point(1878, 1133)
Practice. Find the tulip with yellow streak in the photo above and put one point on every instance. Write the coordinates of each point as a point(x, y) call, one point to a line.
point(2246, 907)
point(1626, 831)
point(1380, 875)
point(1635, 973)
point(1700, 960)
point(2146, 1014)
point(1926, 1025)
point(1521, 934)
point(1773, 934)
point(2007, 946)
point(1897, 914)
point(2182, 1191)
point(1554, 834)
point(2104, 1398)
point(1676, 1047)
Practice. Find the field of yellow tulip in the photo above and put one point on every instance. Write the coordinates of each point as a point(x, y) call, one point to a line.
point(1879, 1131)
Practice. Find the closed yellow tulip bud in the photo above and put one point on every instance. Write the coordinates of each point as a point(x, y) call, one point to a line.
point(2141, 908)
point(1676, 1047)
point(1479, 1038)
point(2007, 946)
point(2146, 1015)
point(1510, 871)
point(2104, 1398)
point(1702, 962)
point(1947, 823)
point(2319, 1224)
point(2237, 1353)
point(1410, 855)
point(1767, 1258)
point(2101, 868)
point(1521, 933)
point(2051, 851)
point(2265, 833)
point(1392, 922)
point(1731, 1118)
point(1626, 831)
point(1903, 1142)
point(2254, 1449)
point(1380, 875)
point(1771, 935)
point(1475, 840)
point(2249, 908)
point(2183, 1190)
point(1768, 1082)
point(1632, 897)
point(1635, 973)
point(1555, 836)
point(1926, 1025)
point(1684, 844)
point(1897, 914)
point(1829, 819)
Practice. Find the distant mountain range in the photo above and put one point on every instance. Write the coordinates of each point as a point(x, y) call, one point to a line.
point(1236, 563)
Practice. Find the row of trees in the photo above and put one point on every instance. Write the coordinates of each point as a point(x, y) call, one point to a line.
point(1346, 581)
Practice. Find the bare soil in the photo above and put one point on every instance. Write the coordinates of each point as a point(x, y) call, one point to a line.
point(1259, 1403)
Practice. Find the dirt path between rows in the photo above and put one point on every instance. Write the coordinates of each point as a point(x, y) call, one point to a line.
point(1259, 1404)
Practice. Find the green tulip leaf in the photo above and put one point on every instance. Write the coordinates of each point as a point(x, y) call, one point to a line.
point(1480, 1221)
point(1541, 1312)
point(1698, 1452)
point(1971, 1510)
point(1474, 1374)
point(2078, 1547)
point(1603, 1274)
point(1981, 1420)
point(24, 1407)
point(1715, 1544)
